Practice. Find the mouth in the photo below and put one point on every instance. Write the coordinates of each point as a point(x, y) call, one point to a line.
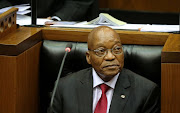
point(111, 66)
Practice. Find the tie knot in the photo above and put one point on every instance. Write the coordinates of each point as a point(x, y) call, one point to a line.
point(104, 88)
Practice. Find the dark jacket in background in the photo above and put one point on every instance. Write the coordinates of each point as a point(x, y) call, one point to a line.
point(70, 10)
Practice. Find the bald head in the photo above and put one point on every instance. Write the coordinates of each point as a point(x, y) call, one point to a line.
point(105, 52)
point(101, 32)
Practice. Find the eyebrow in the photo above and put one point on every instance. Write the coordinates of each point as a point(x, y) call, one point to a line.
point(118, 42)
point(101, 44)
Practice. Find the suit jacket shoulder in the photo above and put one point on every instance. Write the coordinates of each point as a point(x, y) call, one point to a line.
point(74, 93)
point(137, 79)
point(135, 94)
point(79, 75)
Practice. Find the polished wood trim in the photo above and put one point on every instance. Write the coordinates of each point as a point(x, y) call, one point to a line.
point(143, 38)
point(19, 82)
point(7, 13)
point(171, 50)
point(24, 37)
point(65, 34)
point(170, 93)
point(127, 37)
point(8, 22)
point(20, 40)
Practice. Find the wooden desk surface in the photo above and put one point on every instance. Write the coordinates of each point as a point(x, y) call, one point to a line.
point(19, 40)
point(171, 50)
point(127, 37)
point(25, 37)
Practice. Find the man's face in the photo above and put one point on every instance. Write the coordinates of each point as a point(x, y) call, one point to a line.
point(110, 64)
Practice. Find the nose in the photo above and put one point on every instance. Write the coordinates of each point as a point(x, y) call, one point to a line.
point(109, 55)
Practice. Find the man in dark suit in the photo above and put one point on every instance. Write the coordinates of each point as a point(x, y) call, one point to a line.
point(123, 91)
point(66, 10)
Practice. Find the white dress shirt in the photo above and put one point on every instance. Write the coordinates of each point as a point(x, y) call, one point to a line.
point(97, 90)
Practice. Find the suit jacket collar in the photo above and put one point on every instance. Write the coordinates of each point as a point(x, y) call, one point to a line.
point(119, 99)
point(121, 93)
point(85, 92)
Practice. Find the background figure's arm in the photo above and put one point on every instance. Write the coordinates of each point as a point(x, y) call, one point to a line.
point(4, 3)
point(74, 9)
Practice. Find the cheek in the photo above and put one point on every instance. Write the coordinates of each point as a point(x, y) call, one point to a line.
point(96, 62)
point(121, 60)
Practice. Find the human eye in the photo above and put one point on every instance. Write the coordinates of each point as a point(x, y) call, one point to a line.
point(117, 49)
point(100, 51)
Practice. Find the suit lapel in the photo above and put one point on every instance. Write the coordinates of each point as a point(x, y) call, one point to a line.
point(85, 93)
point(121, 93)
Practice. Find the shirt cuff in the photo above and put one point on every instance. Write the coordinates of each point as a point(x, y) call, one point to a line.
point(55, 18)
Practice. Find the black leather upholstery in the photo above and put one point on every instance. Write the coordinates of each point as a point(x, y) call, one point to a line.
point(142, 59)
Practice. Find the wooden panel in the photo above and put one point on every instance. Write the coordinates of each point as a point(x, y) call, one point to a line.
point(103, 3)
point(127, 37)
point(143, 38)
point(7, 84)
point(171, 49)
point(65, 34)
point(19, 82)
point(19, 41)
point(170, 91)
point(27, 81)
point(142, 5)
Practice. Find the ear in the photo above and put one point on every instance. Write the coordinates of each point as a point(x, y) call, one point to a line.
point(88, 57)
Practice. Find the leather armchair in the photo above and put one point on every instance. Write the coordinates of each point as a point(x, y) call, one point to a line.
point(142, 59)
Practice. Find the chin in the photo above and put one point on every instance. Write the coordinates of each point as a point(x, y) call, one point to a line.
point(108, 76)
point(111, 73)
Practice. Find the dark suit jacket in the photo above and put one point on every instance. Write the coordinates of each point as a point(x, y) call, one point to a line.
point(69, 10)
point(75, 94)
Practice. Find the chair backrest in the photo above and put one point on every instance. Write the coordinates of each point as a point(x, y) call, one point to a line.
point(142, 59)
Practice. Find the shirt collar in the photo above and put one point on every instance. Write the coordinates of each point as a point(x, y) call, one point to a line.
point(97, 80)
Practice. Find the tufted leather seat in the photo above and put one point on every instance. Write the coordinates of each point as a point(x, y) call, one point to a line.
point(142, 59)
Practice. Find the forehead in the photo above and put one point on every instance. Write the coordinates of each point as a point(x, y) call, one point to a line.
point(104, 37)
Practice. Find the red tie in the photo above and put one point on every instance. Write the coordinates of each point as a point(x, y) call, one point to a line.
point(101, 106)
